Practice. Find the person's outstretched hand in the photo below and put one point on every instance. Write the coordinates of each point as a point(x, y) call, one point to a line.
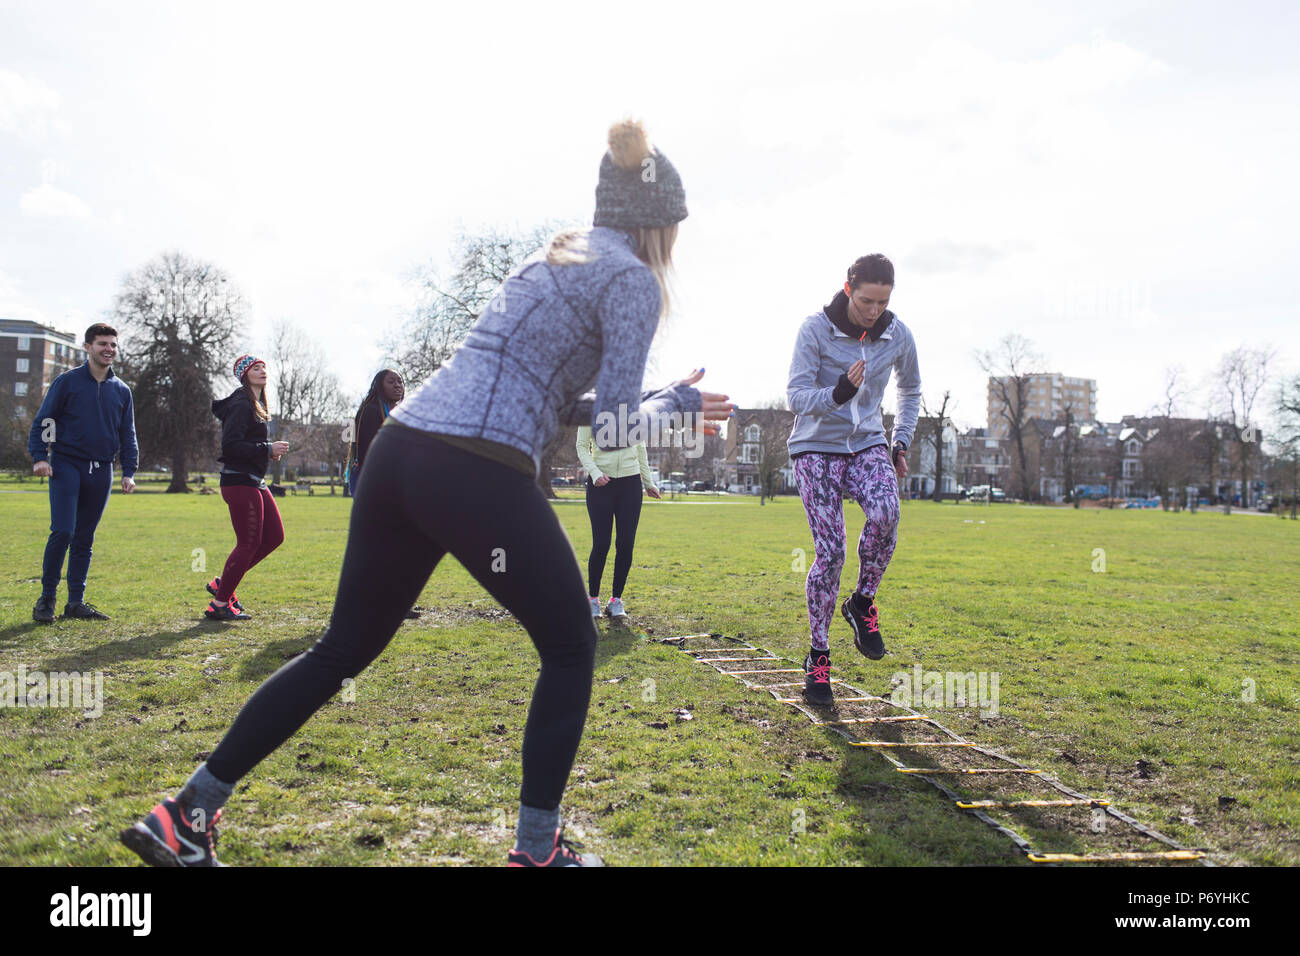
point(714, 406)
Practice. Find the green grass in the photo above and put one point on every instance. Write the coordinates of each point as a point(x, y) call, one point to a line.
point(1098, 671)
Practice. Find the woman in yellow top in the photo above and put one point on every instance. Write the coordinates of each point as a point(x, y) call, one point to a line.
point(615, 478)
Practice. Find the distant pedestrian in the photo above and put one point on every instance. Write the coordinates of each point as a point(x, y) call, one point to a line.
point(843, 359)
point(386, 392)
point(86, 419)
point(615, 478)
point(246, 450)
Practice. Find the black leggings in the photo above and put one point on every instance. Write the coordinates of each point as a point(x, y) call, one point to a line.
point(418, 499)
point(619, 499)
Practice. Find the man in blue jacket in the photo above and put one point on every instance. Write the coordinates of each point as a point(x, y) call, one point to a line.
point(86, 419)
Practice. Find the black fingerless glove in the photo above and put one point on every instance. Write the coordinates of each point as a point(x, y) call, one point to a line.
point(844, 390)
point(899, 449)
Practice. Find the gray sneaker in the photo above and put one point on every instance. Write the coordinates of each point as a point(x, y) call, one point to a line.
point(595, 606)
point(616, 608)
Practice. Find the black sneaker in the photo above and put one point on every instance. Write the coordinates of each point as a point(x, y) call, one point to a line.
point(82, 611)
point(44, 610)
point(817, 683)
point(226, 613)
point(166, 838)
point(562, 854)
point(214, 584)
point(866, 626)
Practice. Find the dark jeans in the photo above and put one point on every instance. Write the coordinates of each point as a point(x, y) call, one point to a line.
point(418, 500)
point(617, 501)
point(79, 493)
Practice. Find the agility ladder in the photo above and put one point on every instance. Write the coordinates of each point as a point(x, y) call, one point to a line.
point(768, 676)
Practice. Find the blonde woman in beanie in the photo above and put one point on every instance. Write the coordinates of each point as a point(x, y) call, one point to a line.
point(453, 472)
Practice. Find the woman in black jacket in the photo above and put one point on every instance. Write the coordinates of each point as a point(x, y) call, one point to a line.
point(386, 392)
point(245, 452)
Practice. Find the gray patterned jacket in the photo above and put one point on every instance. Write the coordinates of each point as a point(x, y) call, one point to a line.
point(549, 335)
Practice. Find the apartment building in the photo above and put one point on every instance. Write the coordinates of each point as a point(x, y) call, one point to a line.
point(1047, 395)
point(33, 355)
point(982, 459)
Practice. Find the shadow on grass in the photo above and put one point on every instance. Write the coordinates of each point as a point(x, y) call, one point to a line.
point(14, 636)
point(145, 645)
point(274, 656)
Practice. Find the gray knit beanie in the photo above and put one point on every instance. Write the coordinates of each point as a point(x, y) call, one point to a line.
point(638, 186)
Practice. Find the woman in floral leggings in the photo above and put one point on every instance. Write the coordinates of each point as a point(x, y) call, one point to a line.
point(843, 359)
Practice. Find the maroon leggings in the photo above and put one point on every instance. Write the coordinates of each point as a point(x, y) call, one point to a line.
point(258, 531)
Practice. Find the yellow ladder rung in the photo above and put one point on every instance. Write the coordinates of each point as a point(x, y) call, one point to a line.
point(690, 637)
point(866, 720)
point(890, 743)
point(981, 770)
point(788, 670)
point(1007, 804)
point(793, 683)
point(1116, 857)
point(714, 660)
point(723, 650)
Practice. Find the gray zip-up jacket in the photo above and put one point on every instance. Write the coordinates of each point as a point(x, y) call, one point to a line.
point(823, 352)
point(549, 335)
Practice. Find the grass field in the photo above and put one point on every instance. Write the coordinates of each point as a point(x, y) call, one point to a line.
point(1168, 682)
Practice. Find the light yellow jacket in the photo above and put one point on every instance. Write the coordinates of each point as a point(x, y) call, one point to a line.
point(616, 462)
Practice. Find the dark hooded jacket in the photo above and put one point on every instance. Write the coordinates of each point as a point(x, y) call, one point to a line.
point(245, 448)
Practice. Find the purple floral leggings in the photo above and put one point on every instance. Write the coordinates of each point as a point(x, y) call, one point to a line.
point(824, 480)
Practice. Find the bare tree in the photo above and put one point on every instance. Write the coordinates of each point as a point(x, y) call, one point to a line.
point(450, 305)
point(1287, 441)
point(773, 451)
point(1241, 376)
point(304, 394)
point(179, 319)
point(1010, 367)
point(937, 431)
point(16, 415)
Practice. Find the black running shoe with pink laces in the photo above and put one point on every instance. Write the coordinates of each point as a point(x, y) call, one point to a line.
point(166, 838)
point(862, 616)
point(817, 680)
point(213, 587)
point(562, 854)
point(224, 612)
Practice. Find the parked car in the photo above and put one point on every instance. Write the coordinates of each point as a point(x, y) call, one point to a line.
point(998, 494)
point(701, 486)
point(671, 486)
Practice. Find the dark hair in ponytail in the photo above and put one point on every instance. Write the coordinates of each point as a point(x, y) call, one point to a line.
point(872, 268)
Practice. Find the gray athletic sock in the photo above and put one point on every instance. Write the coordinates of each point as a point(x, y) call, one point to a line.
point(535, 834)
point(205, 792)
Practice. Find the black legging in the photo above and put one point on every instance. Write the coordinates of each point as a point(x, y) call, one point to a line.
point(619, 499)
point(419, 498)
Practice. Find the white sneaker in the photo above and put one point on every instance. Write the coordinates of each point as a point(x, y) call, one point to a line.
point(595, 606)
point(616, 608)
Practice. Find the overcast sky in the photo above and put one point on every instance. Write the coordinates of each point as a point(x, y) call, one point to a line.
point(1115, 181)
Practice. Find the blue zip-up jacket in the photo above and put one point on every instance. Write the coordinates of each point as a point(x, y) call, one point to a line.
point(93, 421)
point(823, 352)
